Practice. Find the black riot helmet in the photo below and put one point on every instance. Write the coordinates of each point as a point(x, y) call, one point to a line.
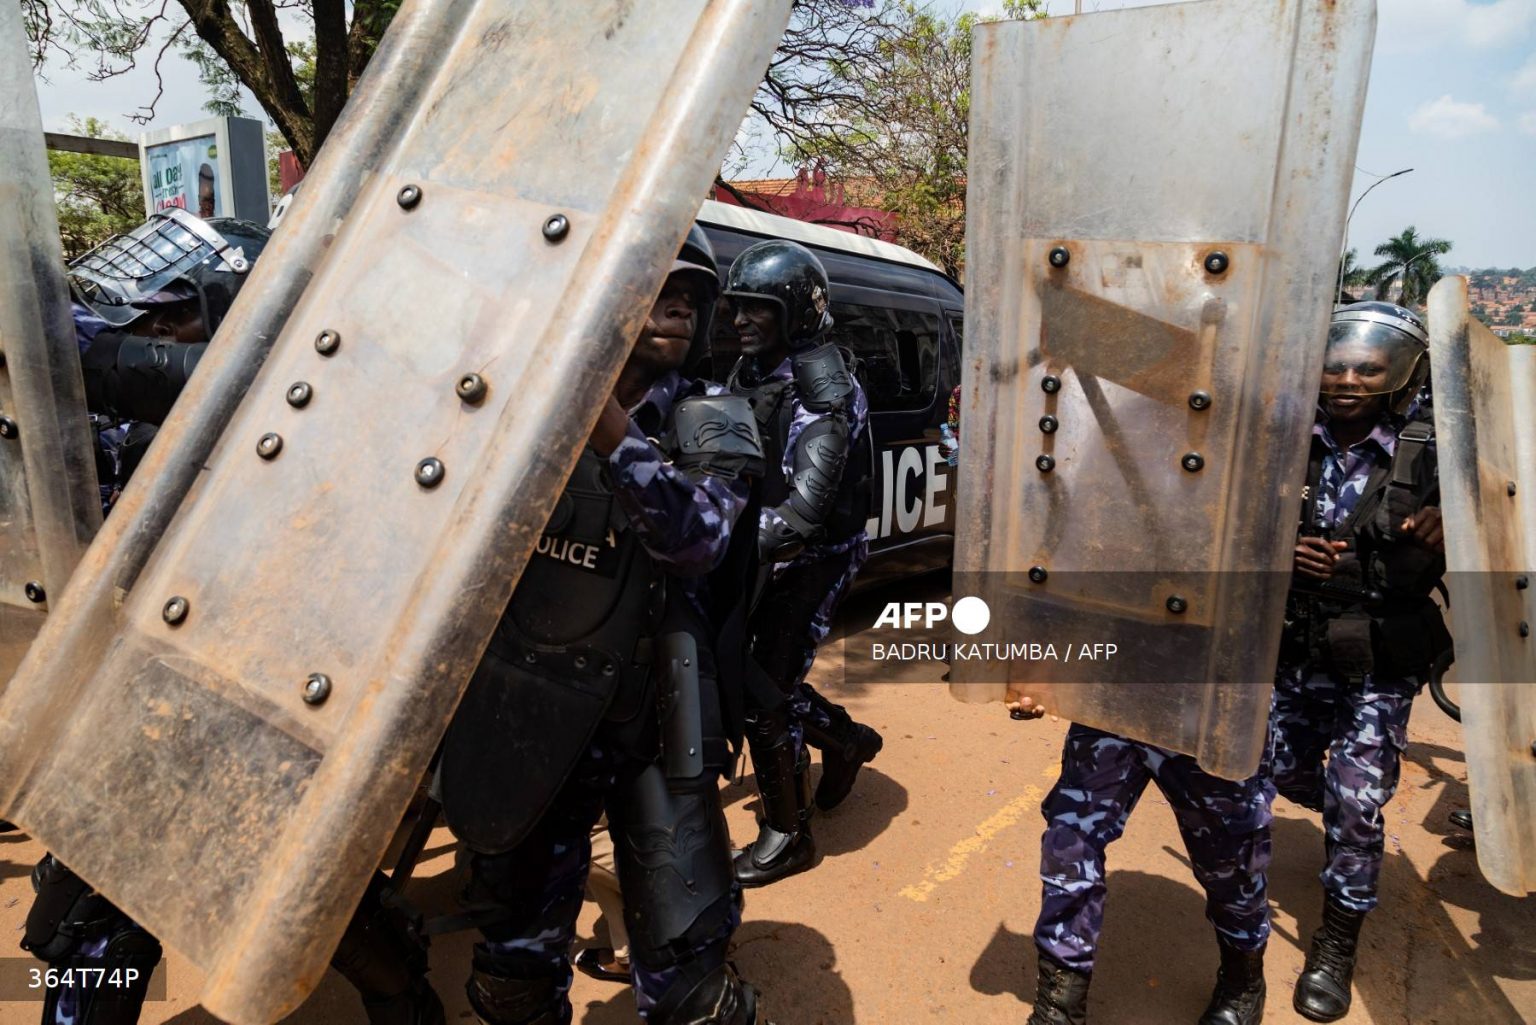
point(697, 259)
point(789, 275)
point(1376, 348)
point(172, 257)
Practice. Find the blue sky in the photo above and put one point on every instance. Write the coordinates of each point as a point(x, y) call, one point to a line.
point(1452, 95)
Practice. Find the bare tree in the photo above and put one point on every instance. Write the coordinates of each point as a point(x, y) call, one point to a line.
point(301, 84)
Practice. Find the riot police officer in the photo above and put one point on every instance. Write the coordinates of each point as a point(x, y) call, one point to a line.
point(1363, 630)
point(146, 304)
point(599, 691)
point(812, 413)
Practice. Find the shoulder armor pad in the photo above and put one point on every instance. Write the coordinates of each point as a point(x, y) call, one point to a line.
point(718, 435)
point(823, 379)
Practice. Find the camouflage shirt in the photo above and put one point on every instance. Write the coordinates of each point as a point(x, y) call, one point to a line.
point(1346, 472)
point(800, 419)
point(683, 522)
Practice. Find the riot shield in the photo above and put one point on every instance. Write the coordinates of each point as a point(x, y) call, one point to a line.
point(1155, 208)
point(1485, 395)
point(221, 725)
point(49, 507)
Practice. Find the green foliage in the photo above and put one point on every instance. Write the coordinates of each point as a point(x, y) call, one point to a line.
point(898, 139)
point(97, 197)
point(1411, 258)
point(1521, 338)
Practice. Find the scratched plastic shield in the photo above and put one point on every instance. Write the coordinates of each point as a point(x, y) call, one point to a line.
point(1155, 210)
point(1485, 395)
point(49, 507)
point(221, 725)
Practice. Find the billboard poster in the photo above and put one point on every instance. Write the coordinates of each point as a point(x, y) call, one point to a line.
point(184, 173)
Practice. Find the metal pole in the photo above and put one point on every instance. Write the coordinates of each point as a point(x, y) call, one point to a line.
point(1339, 294)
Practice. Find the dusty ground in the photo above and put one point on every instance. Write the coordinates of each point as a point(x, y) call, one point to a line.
point(922, 907)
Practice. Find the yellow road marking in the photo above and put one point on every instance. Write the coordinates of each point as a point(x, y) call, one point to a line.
point(1006, 817)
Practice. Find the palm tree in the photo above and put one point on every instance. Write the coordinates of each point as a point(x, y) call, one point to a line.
point(1351, 274)
point(1411, 258)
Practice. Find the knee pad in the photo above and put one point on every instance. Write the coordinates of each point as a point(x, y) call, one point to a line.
point(518, 991)
point(713, 996)
point(673, 857)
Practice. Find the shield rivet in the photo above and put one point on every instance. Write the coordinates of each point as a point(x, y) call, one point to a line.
point(8, 428)
point(1194, 462)
point(175, 610)
point(581, 661)
point(1045, 464)
point(1217, 263)
point(609, 668)
point(1176, 604)
point(1199, 400)
point(1037, 574)
point(1059, 257)
point(408, 197)
point(269, 445)
point(429, 472)
point(530, 657)
point(471, 388)
point(35, 592)
point(1050, 384)
point(556, 228)
point(1522, 582)
point(327, 342)
point(316, 689)
point(1510, 489)
point(1048, 424)
point(299, 394)
point(1525, 628)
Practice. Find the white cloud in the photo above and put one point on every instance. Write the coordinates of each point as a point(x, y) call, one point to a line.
point(1528, 122)
point(1449, 119)
point(1414, 26)
point(1524, 80)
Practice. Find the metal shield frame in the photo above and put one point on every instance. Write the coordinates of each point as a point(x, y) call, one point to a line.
point(1156, 201)
point(49, 505)
point(502, 197)
point(1485, 395)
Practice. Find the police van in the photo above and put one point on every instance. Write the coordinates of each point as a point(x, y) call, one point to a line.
point(902, 318)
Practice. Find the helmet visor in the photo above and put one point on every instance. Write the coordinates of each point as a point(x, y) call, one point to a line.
point(129, 269)
point(1368, 358)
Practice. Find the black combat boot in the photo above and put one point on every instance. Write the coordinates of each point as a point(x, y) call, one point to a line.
point(1322, 992)
point(1239, 995)
point(784, 845)
point(845, 746)
point(1061, 995)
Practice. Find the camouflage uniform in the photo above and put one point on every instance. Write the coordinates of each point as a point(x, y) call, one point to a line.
point(794, 613)
point(1225, 826)
point(537, 887)
point(1361, 724)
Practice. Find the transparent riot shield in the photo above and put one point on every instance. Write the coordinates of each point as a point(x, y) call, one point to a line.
point(1155, 208)
point(1485, 402)
point(49, 507)
point(222, 723)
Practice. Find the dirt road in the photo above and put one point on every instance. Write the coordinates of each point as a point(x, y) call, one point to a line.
point(922, 908)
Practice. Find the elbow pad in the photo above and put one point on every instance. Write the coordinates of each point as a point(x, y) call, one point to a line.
point(823, 381)
point(135, 378)
point(816, 474)
point(716, 435)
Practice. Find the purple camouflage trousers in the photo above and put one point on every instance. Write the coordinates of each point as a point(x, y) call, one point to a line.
point(1225, 826)
point(1362, 728)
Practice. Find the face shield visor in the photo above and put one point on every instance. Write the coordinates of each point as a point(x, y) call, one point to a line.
point(1367, 356)
point(127, 270)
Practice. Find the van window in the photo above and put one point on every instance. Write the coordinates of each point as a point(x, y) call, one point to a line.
point(897, 350)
